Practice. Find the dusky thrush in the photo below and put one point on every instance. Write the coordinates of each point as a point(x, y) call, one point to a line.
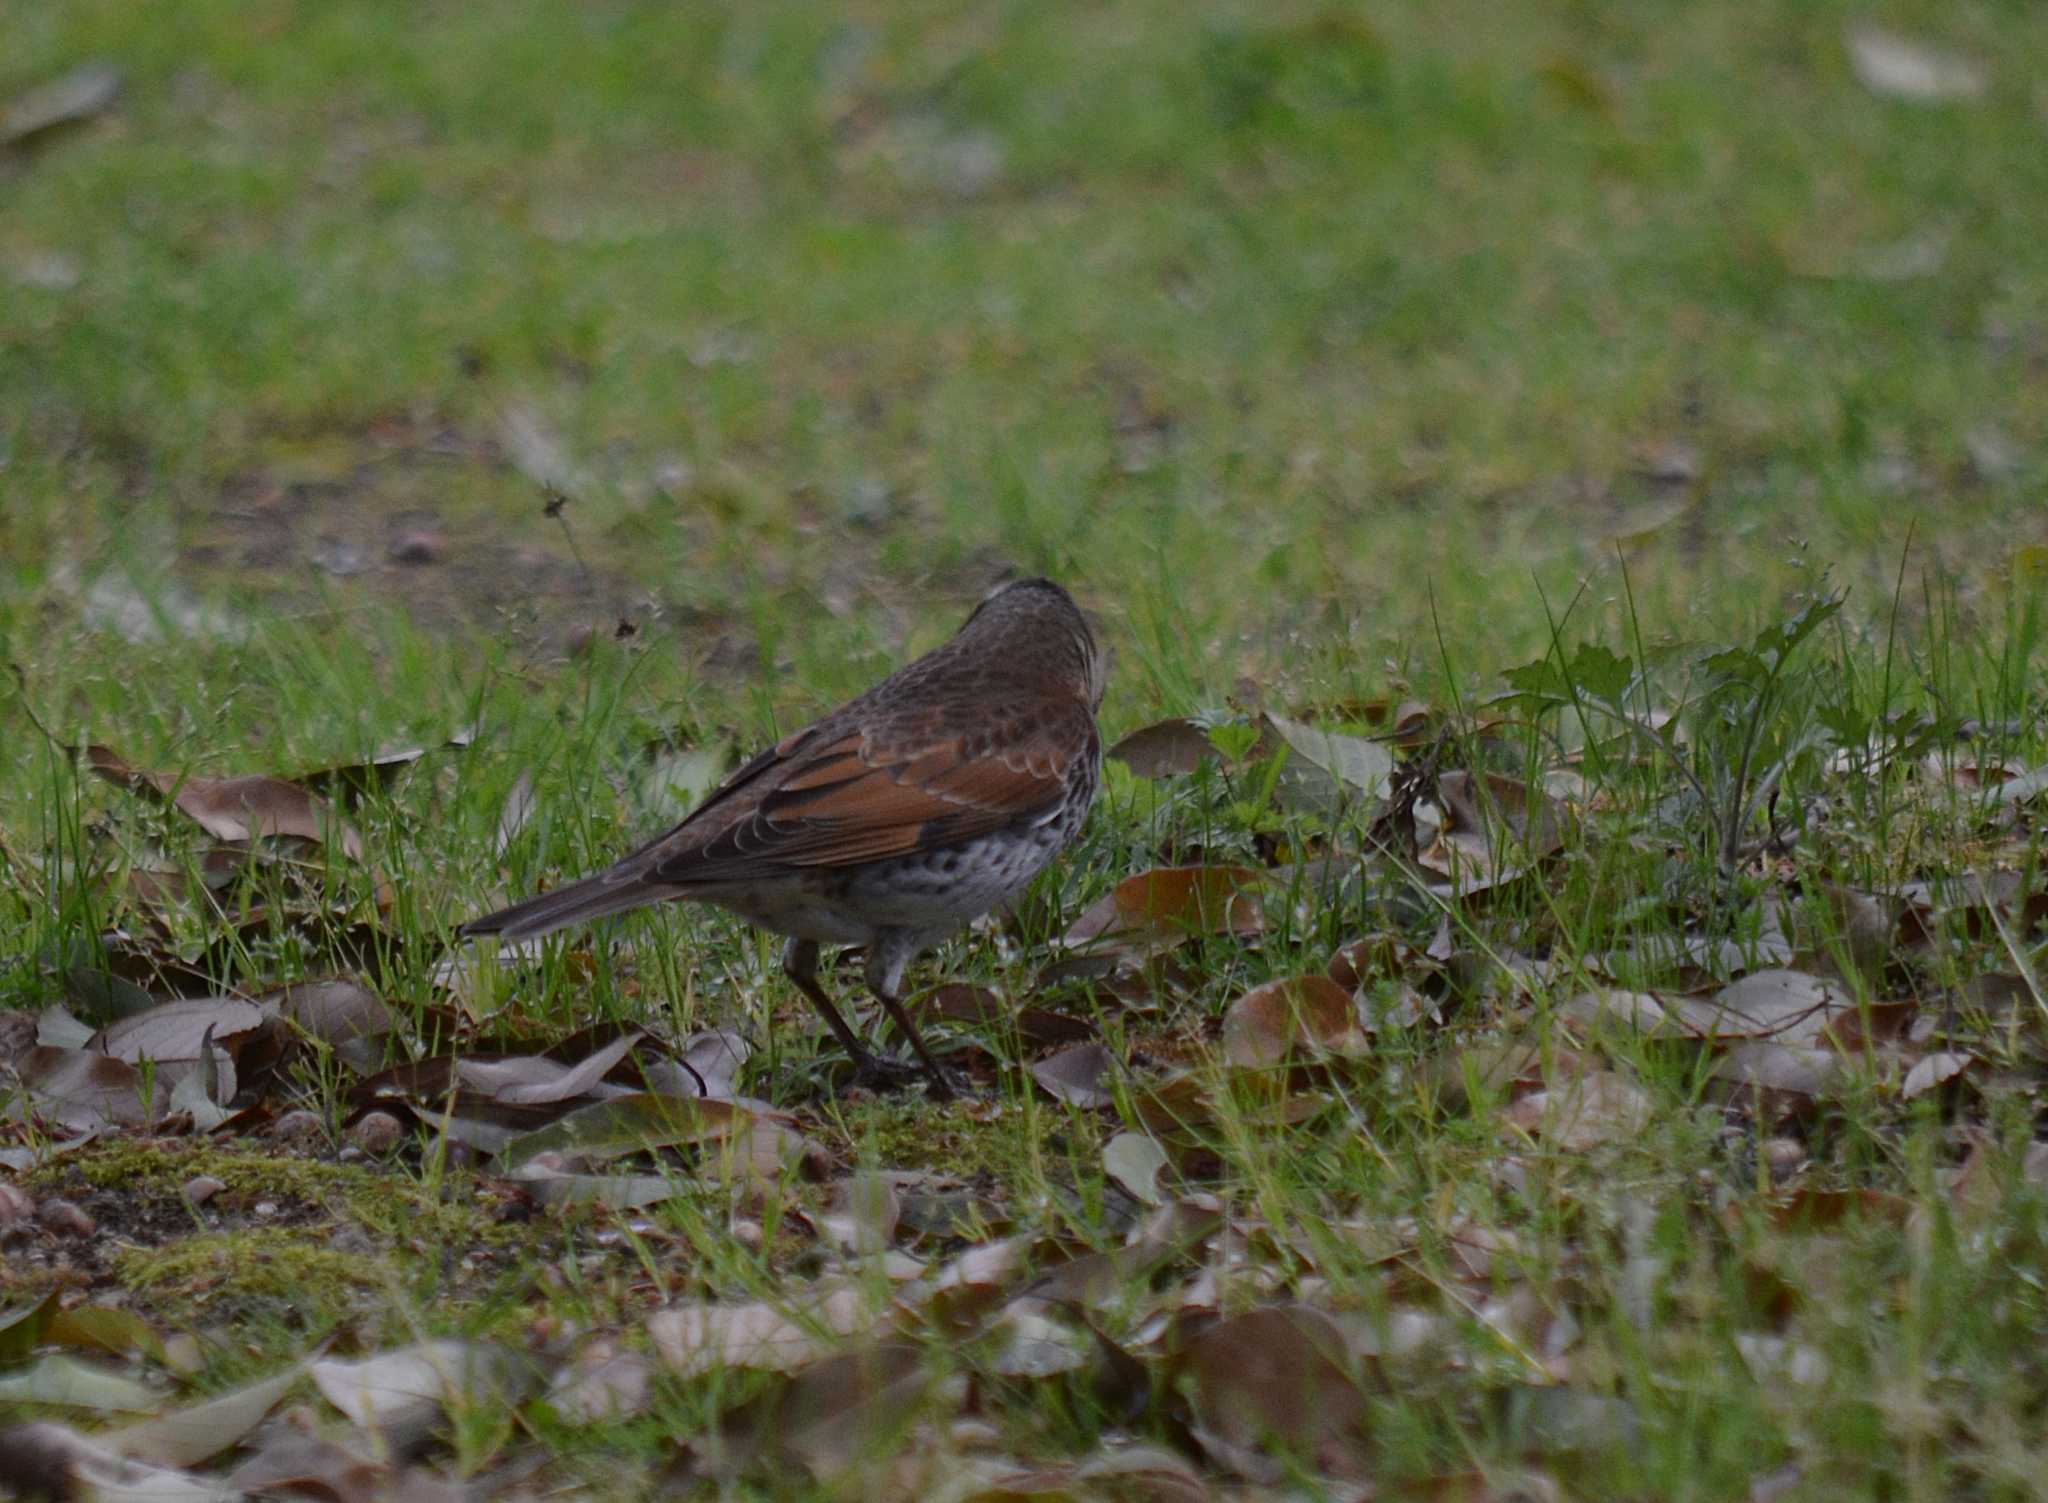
point(893, 821)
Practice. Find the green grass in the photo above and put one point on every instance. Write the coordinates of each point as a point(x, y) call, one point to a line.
point(1332, 355)
point(1262, 315)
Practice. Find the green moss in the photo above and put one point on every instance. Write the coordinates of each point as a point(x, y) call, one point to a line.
point(258, 1264)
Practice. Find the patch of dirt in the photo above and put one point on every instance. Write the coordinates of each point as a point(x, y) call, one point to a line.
point(408, 516)
point(142, 1206)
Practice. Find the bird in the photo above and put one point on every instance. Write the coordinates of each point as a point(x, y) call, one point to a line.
point(890, 823)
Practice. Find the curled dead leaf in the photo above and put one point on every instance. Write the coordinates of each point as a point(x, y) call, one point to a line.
point(1494, 828)
point(1310, 1015)
point(1079, 1076)
point(249, 807)
point(1160, 908)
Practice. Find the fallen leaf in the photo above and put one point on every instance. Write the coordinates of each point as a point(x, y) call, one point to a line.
point(1901, 67)
point(519, 806)
point(65, 1382)
point(715, 1058)
point(173, 1032)
point(238, 808)
point(1769, 1357)
point(23, 1330)
point(603, 1386)
point(69, 99)
point(1642, 1014)
point(862, 1218)
point(403, 1393)
point(1380, 957)
point(977, 1006)
point(188, 1436)
point(1276, 1378)
point(847, 1408)
point(1328, 770)
point(1160, 908)
point(1788, 1007)
point(1030, 1341)
point(85, 1089)
point(46, 1460)
point(1934, 1070)
point(692, 1340)
point(1077, 1076)
point(627, 1124)
point(1310, 1015)
point(335, 1011)
point(533, 1080)
point(1493, 829)
point(1135, 1161)
point(1167, 748)
point(1585, 1112)
point(289, 1463)
point(1778, 1079)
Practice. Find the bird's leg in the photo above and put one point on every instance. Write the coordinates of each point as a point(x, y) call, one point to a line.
point(888, 958)
point(800, 965)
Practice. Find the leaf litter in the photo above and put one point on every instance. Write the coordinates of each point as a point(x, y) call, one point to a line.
point(1216, 1015)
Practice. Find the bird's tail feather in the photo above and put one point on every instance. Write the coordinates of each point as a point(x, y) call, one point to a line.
point(593, 897)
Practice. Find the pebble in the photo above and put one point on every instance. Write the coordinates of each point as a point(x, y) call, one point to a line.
point(376, 1132)
point(419, 545)
point(65, 1218)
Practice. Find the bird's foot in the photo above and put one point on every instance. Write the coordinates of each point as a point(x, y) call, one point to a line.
point(886, 1072)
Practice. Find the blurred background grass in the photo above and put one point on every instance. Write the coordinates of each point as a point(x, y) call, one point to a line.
point(1275, 327)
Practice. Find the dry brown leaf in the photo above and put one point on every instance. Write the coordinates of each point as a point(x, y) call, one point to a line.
point(535, 1080)
point(1787, 1007)
point(402, 1392)
point(1166, 748)
point(290, 1463)
point(846, 1409)
point(1585, 1112)
point(335, 1011)
point(1494, 828)
point(701, 1338)
point(174, 1032)
point(1276, 1378)
point(85, 1089)
point(1078, 1076)
point(186, 1437)
point(1160, 908)
point(1774, 1357)
point(863, 1215)
point(1933, 1070)
point(249, 807)
point(1328, 770)
point(1310, 1015)
point(69, 99)
point(1777, 1079)
point(1380, 957)
point(1642, 1014)
point(603, 1385)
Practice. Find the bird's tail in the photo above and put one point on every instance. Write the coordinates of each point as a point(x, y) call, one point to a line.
point(605, 892)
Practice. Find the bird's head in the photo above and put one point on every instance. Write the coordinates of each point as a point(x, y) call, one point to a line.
point(1044, 630)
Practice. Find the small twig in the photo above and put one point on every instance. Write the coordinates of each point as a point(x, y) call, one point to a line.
point(556, 509)
point(28, 707)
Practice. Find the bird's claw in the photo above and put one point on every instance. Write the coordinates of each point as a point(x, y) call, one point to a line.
point(886, 1072)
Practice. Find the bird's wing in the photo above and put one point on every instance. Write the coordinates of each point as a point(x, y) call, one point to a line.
point(841, 795)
